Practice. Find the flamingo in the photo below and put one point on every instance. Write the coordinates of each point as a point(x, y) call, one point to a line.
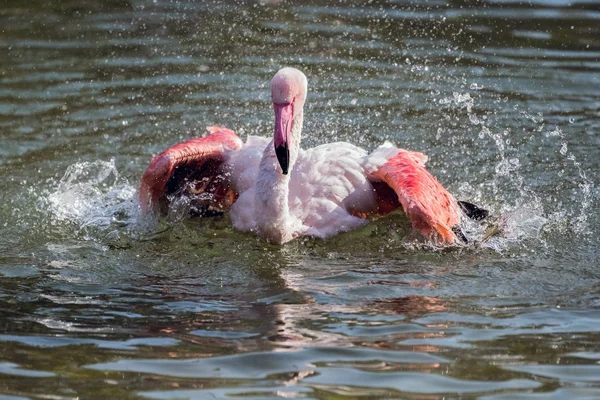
point(280, 191)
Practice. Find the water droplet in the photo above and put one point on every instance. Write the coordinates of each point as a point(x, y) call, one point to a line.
point(563, 149)
point(556, 132)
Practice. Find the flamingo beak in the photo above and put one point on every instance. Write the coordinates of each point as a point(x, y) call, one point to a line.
point(284, 114)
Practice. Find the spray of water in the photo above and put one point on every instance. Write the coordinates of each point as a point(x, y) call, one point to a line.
point(520, 212)
point(582, 195)
point(92, 195)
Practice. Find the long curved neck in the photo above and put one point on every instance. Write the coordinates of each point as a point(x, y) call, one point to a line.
point(272, 190)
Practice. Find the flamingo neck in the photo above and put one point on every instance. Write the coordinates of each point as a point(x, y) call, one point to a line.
point(274, 221)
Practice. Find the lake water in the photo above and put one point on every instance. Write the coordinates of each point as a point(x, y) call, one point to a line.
point(503, 97)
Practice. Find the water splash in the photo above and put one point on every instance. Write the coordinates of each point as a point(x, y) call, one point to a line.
point(521, 212)
point(92, 194)
point(102, 205)
point(585, 195)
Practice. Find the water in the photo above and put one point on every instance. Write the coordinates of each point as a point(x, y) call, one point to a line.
point(98, 303)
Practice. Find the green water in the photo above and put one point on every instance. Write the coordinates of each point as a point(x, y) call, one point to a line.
point(503, 97)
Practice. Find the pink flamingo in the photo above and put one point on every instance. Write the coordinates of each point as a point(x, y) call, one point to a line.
point(280, 192)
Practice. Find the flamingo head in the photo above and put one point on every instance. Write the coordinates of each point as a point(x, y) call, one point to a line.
point(288, 92)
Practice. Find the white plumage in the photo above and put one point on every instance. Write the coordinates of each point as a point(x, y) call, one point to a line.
point(325, 184)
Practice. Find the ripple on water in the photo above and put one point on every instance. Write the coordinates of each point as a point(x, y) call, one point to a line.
point(13, 369)
point(59, 341)
point(560, 394)
point(354, 383)
point(413, 382)
point(543, 322)
point(265, 364)
point(564, 373)
point(222, 334)
point(249, 393)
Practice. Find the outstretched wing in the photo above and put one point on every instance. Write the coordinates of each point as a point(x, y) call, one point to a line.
point(429, 206)
point(195, 166)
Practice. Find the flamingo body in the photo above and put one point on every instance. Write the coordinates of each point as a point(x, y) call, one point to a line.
point(328, 186)
point(279, 191)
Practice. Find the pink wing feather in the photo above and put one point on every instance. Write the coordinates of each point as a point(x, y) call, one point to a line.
point(195, 154)
point(428, 205)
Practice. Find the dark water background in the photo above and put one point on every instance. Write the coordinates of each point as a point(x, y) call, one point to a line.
point(503, 96)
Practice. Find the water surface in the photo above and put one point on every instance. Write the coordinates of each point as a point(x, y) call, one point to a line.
point(503, 97)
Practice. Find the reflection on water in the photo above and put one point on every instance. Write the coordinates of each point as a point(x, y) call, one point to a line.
point(503, 97)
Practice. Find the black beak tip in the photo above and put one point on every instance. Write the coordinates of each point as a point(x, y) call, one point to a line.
point(283, 156)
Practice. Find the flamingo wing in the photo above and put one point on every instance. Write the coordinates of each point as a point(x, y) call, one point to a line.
point(429, 206)
point(195, 166)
